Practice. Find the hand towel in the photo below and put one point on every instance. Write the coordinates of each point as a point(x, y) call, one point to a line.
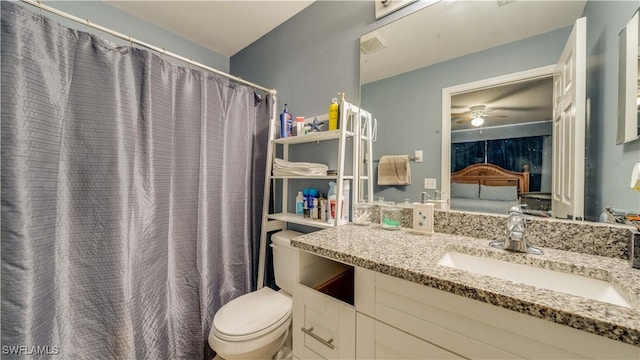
point(394, 170)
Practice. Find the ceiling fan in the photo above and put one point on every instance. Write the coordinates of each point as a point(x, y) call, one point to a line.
point(476, 115)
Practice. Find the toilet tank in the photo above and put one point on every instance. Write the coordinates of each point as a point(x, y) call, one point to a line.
point(285, 259)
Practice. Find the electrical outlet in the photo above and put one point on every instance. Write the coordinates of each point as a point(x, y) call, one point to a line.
point(430, 183)
point(423, 218)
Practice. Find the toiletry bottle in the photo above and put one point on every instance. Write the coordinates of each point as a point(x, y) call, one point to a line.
point(305, 204)
point(300, 204)
point(299, 126)
point(313, 203)
point(331, 200)
point(322, 208)
point(286, 123)
point(333, 114)
point(346, 187)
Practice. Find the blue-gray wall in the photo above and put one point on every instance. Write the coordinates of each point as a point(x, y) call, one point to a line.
point(315, 54)
point(409, 106)
point(608, 166)
point(101, 13)
point(310, 57)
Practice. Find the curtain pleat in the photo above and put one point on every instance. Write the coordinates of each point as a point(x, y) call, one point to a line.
point(131, 196)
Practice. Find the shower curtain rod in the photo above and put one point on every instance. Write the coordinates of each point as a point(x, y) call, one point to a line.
point(162, 51)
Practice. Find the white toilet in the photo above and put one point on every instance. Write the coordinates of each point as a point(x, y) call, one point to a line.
point(256, 325)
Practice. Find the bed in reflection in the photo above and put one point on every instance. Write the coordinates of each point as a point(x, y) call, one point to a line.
point(487, 188)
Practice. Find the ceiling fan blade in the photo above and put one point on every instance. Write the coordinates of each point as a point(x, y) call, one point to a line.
point(508, 91)
point(461, 121)
point(495, 116)
point(520, 108)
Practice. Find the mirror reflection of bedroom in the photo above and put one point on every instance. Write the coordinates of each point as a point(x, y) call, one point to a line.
point(501, 148)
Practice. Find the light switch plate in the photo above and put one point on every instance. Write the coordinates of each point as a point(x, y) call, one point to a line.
point(423, 218)
point(418, 155)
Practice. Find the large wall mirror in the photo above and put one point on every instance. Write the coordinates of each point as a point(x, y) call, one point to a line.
point(629, 81)
point(405, 66)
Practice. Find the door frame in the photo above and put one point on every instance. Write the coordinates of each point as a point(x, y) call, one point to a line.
point(447, 93)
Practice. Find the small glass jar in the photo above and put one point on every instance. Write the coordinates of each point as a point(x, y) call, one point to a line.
point(390, 217)
point(362, 213)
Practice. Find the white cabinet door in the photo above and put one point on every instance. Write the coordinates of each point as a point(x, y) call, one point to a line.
point(377, 340)
point(569, 95)
point(323, 327)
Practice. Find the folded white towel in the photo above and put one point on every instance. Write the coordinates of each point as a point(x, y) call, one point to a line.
point(394, 170)
point(288, 168)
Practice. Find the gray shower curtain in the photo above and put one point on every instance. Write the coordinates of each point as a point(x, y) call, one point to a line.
point(131, 196)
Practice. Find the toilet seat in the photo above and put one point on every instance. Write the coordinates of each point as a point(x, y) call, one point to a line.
point(252, 315)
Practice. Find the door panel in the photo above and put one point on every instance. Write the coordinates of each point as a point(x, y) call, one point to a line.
point(569, 126)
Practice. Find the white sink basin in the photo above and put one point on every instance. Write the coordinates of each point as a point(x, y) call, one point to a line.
point(582, 286)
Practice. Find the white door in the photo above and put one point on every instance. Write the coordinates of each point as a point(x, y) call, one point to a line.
point(569, 94)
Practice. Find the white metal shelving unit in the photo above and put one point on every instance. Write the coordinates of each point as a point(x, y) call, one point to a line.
point(356, 132)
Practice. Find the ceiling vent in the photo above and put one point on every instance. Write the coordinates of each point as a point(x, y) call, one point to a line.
point(372, 43)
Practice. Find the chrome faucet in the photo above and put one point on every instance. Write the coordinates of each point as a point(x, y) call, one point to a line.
point(515, 240)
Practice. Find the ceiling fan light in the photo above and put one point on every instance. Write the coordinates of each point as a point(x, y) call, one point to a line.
point(477, 121)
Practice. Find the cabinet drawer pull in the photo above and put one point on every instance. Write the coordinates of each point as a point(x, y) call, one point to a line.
point(327, 343)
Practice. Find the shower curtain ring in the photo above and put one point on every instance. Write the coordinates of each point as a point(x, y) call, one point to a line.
point(130, 41)
point(40, 7)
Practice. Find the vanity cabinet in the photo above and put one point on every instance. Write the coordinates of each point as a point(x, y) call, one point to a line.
point(324, 328)
point(392, 318)
point(324, 317)
point(473, 329)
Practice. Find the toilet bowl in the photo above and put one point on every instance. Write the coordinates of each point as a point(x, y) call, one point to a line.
point(256, 325)
point(252, 326)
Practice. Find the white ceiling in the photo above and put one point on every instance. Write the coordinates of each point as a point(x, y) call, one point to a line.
point(223, 26)
point(449, 29)
point(516, 103)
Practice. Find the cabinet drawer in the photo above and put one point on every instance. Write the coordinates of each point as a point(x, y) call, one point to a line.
point(377, 340)
point(323, 327)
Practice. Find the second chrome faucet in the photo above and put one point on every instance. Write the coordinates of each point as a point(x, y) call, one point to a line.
point(515, 234)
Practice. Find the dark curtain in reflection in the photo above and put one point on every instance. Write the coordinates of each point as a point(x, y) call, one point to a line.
point(513, 154)
point(467, 153)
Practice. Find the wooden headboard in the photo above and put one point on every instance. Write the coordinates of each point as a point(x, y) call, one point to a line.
point(492, 175)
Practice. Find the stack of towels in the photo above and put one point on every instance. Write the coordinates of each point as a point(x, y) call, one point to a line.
point(288, 168)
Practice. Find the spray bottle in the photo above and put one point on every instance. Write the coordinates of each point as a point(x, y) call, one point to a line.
point(333, 114)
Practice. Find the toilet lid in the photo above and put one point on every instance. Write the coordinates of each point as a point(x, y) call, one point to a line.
point(253, 313)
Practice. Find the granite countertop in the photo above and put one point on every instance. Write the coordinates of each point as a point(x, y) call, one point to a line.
point(414, 257)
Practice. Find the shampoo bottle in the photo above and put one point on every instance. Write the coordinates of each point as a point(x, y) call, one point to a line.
point(286, 123)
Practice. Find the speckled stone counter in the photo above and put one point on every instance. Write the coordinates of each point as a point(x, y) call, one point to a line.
point(579, 236)
point(414, 258)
